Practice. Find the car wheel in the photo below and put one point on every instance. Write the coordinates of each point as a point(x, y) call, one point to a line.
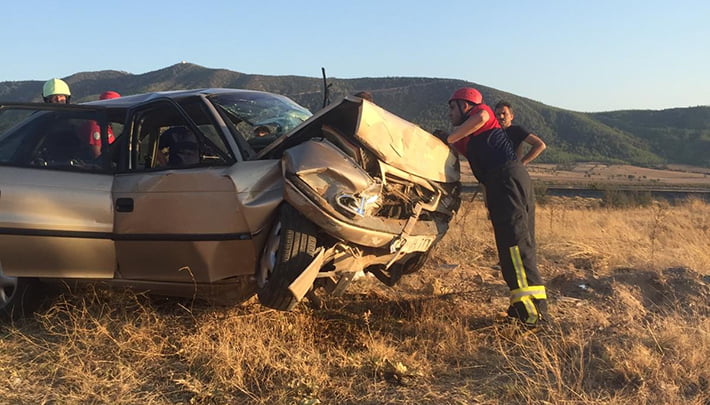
point(17, 296)
point(290, 248)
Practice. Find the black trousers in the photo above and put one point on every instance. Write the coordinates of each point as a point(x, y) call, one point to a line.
point(511, 205)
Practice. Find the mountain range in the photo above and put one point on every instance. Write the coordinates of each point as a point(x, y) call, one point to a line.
point(639, 137)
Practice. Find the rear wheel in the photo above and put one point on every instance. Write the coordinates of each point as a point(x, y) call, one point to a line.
point(17, 296)
point(290, 248)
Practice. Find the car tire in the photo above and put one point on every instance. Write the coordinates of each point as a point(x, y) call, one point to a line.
point(18, 297)
point(290, 248)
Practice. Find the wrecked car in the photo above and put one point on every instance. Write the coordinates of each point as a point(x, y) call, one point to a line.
point(216, 193)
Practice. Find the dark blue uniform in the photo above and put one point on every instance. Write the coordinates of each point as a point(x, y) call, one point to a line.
point(511, 204)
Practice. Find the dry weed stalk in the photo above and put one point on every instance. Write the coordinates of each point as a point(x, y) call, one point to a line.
point(660, 212)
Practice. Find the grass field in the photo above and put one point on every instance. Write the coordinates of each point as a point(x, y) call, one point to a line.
point(629, 291)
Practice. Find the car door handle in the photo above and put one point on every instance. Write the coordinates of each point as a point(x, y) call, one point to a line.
point(124, 204)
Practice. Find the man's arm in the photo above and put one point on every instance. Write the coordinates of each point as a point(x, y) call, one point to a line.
point(471, 125)
point(537, 146)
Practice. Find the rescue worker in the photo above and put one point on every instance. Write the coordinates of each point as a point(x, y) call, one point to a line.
point(56, 91)
point(108, 95)
point(518, 135)
point(509, 197)
point(92, 130)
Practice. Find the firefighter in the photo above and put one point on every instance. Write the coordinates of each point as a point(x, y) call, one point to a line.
point(108, 95)
point(91, 131)
point(56, 91)
point(509, 199)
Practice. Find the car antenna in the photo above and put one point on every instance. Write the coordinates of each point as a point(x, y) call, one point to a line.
point(326, 89)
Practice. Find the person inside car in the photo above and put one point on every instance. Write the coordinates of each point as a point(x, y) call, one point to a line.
point(180, 146)
point(261, 130)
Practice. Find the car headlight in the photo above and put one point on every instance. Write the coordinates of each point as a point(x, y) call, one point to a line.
point(363, 203)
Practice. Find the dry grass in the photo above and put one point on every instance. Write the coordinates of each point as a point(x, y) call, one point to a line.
point(629, 296)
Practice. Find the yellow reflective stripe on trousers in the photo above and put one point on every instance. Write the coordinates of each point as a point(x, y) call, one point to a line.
point(537, 291)
point(531, 309)
point(518, 265)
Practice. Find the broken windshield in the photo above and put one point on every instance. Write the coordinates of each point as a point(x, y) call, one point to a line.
point(260, 118)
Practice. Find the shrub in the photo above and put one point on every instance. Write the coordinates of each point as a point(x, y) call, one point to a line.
point(540, 189)
point(615, 198)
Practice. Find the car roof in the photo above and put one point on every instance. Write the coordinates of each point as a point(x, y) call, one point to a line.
point(132, 100)
point(127, 101)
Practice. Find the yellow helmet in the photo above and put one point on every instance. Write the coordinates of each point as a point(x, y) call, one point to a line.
point(55, 86)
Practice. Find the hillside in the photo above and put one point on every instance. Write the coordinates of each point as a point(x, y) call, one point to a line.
point(678, 134)
point(635, 137)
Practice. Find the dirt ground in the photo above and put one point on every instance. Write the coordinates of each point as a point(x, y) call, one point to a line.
point(568, 286)
point(586, 174)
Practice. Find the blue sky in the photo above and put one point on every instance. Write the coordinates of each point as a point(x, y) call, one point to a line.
point(583, 56)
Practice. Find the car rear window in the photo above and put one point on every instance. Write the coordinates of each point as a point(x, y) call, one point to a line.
point(53, 139)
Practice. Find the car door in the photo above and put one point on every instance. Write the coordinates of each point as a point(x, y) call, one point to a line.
point(56, 213)
point(177, 216)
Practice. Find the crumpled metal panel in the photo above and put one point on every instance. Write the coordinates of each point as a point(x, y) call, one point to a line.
point(405, 145)
point(325, 169)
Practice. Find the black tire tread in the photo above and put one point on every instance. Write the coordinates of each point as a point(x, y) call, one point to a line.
point(296, 251)
point(24, 300)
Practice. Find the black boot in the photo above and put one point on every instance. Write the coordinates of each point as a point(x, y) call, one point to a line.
point(519, 311)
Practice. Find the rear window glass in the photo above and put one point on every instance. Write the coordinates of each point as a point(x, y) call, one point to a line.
point(50, 139)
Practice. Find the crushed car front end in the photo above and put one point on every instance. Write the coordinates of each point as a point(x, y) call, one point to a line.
point(382, 189)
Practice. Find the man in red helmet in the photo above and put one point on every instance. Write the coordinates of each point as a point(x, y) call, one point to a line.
point(93, 131)
point(108, 95)
point(509, 198)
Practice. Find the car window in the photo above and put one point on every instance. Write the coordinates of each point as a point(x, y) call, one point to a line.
point(199, 113)
point(259, 118)
point(164, 138)
point(52, 139)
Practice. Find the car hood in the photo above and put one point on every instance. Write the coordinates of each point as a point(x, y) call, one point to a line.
point(392, 139)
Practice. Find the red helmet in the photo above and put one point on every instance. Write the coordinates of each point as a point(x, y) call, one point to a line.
point(467, 94)
point(107, 95)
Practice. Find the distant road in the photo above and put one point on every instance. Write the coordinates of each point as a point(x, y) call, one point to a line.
point(668, 193)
